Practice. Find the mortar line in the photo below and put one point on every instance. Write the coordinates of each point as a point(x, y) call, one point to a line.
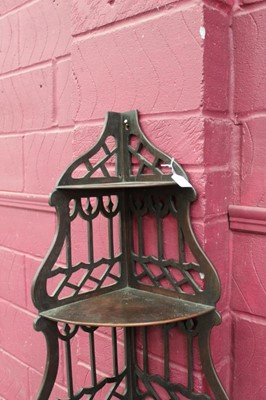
point(248, 8)
point(35, 66)
point(29, 68)
point(19, 7)
point(134, 20)
point(250, 115)
point(255, 318)
point(51, 130)
point(223, 8)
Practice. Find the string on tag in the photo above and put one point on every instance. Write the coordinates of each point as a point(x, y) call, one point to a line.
point(179, 179)
point(171, 165)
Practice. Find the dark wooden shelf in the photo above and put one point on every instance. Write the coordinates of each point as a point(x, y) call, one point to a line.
point(119, 185)
point(127, 307)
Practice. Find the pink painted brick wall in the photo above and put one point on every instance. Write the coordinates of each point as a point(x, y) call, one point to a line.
point(249, 33)
point(216, 57)
point(11, 178)
point(140, 66)
point(44, 31)
point(86, 17)
point(248, 250)
point(26, 100)
point(9, 33)
point(63, 64)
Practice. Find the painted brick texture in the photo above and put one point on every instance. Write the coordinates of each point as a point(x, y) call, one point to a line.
point(64, 93)
point(13, 388)
point(42, 150)
point(26, 101)
point(140, 66)
point(9, 33)
point(9, 5)
point(248, 275)
point(250, 58)
point(11, 178)
point(216, 57)
point(249, 355)
point(86, 17)
point(63, 64)
point(35, 97)
point(44, 31)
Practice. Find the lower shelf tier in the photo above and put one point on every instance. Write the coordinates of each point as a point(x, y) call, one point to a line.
point(127, 307)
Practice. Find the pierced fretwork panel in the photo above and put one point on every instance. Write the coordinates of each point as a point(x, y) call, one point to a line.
point(85, 379)
point(122, 153)
point(158, 380)
point(99, 162)
point(142, 160)
point(88, 261)
point(159, 253)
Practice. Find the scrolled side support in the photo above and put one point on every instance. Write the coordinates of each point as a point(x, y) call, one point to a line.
point(205, 325)
point(49, 329)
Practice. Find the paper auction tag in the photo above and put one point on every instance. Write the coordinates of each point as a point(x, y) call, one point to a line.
point(181, 181)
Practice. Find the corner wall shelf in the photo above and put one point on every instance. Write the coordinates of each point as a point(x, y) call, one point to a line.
point(118, 308)
point(134, 279)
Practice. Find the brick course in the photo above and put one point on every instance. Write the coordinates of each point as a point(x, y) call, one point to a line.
point(12, 176)
point(42, 150)
point(9, 33)
point(26, 101)
point(44, 31)
point(139, 66)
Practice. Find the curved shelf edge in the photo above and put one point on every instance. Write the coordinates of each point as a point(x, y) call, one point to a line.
point(119, 185)
point(127, 307)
